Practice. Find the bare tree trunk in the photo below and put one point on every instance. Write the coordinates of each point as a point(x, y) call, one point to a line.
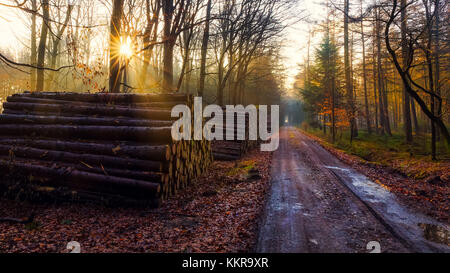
point(432, 89)
point(187, 36)
point(33, 60)
point(385, 100)
point(221, 77)
point(384, 118)
point(42, 45)
point(201, 87)
point(348, 80)
point(151, 33)
point(414, 115)
point(436, 60)
point(333, 105)
point(366, 102)
point(374, 73)
point(242, 85)
point(114, 46)
point(406, 99)
point(169, 44)
point(55, 46)
point(188, 76)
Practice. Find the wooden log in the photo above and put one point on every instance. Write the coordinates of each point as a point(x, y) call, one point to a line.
point(155, 105)
point(162, 105)
point(85, 159)
point(154, 153)
point(160, 178)
point(108, 97)
point(151, 135)
point(84, 120)
point(116, 111)
point(75, 179)
point(154, 177)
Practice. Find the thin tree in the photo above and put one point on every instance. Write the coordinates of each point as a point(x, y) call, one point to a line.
point(114, 46)
point(348, 78)
point(42, 46)
point(56, 39)
point(366, 100)
point(204, 50)
point(406, 100)
point(33, 56)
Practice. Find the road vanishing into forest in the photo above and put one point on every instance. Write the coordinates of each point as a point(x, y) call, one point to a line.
point(319, 204)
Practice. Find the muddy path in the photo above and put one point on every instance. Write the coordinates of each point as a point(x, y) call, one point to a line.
point(318, 204)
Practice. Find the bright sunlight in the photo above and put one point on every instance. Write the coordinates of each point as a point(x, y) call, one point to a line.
point(126, 48)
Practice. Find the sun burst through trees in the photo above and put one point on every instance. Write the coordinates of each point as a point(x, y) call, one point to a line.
point(126, 47)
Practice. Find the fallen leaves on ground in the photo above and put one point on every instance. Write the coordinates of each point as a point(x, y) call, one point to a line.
point(218, 213)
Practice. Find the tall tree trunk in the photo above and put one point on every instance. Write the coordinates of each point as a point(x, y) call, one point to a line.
point(414, 115)
point(237, 80)
point(150, 36)
point(114, 46)
point(55, 47)
point(242, 85)
point(308, 58)
point(333, 110)
point(201, 87)
point(432, 88)
point(384, 117)
point(366, 101)
point(187, 36)
point(437, 69)
point(169, 44)
point(42, 45)
point(385, 99)
point(188, 76)
point(374, 75)
point(221, 76)
point(406, 99)
point(33, 59)
point(348, 80)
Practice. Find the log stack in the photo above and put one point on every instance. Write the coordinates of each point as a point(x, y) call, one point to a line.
point(103, 143)
point(230, 150)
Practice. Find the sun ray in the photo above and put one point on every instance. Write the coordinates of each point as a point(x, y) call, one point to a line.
point(126, 47)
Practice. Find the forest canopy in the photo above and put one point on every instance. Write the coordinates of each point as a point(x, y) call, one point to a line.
point(215, 49)
point(380, 68)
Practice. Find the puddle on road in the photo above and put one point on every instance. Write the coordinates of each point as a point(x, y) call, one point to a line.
point(297, 206)
point(337, 168)
point(435, 233)
point(385, 202)
point(369, 190)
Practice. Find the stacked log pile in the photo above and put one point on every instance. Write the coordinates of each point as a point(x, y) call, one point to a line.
point(230, 150)
point(114, 144)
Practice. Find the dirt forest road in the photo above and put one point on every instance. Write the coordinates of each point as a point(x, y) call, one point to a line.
point(318, 204)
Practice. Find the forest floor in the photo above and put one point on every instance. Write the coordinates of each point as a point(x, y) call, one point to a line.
point(405, 170)
point(220, 212)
